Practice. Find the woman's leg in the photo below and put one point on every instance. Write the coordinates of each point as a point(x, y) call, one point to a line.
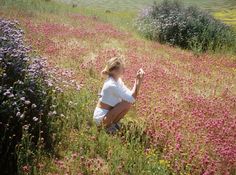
point(122, 114)
point(116, 113)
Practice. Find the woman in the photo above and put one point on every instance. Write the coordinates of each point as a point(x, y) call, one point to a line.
point(115, 99)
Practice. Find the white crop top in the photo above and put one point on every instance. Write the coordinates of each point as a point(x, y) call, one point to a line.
point(114, 92)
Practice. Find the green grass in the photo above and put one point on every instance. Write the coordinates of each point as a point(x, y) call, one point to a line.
point(122, 12)
point(139, 4)
point(122, 153)
point(125, 149)
point(121, 19)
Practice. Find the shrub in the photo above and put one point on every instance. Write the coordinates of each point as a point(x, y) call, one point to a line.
point(188, 27)
point(25, 98)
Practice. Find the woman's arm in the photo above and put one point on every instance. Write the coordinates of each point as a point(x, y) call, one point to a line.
point(137, 83)
point(136, 88)
point(124, 93)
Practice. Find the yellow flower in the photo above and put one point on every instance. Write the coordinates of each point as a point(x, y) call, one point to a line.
point(163, 162)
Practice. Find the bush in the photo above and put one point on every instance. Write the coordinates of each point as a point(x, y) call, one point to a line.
point(188, 27)
point(25, 97)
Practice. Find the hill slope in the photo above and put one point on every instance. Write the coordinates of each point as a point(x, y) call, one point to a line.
point(176, 124)
point(139, 4)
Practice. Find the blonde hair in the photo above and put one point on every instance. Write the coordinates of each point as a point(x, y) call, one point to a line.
point(113, 63)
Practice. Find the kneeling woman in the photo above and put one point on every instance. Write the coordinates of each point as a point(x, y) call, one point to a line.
point(115, 98)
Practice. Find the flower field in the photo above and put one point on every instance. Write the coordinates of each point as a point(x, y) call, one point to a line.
point(184, 121)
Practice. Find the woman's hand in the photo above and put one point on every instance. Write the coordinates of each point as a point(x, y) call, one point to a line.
point(140, 74)
point(138, 81)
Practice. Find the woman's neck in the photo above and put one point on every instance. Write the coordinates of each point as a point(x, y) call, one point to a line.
point(114, 77)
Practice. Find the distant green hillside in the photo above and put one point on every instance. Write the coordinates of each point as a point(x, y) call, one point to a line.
point(139, 4)
point(221, 9)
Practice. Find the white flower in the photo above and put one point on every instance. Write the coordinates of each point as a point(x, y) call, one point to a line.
point(18, 114)
point(33, 106)
point(27, 102)
point(22, 115)
point(35, 119)
point(11, 95)
point(26, 127)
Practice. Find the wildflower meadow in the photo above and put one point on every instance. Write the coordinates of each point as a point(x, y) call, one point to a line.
point(51, 56)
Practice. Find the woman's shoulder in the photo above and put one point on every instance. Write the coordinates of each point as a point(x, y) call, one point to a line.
point(109, 82)
point(120, 81)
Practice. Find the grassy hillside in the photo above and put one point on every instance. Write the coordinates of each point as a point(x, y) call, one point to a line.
point(174, 128)
point(227, 15)
point(224, 10)
point(123, 12)
point(139, 4)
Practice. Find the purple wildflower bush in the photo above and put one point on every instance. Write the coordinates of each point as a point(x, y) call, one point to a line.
point(187, 27)
point(26, 97)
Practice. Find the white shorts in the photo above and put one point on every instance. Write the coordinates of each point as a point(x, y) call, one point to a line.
point(99, 114)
